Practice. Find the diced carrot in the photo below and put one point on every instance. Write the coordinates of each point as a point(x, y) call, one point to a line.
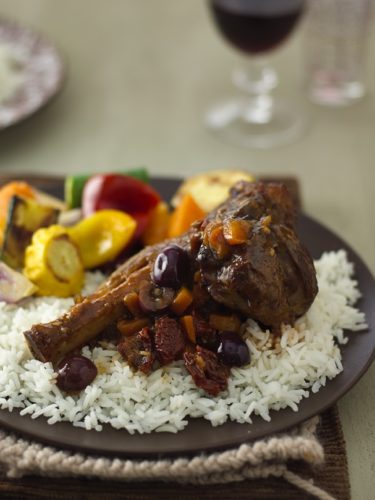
point(187, 212)
point(7, 192)
point(214, 238)
point(132, 303)
point(224, 323)
point(187, 323)
point(182, 301)
point(157, 226)
point(236, 231)
point(129, 327)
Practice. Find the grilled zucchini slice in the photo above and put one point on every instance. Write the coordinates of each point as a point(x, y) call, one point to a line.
point(25, 216)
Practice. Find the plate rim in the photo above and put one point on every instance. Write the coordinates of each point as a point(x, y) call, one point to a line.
point(53, 46)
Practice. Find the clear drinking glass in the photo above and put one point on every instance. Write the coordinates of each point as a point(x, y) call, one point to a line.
point(336, 37)
point(255, 117)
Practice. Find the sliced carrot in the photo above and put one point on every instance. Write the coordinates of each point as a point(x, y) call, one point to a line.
point(187, 323)
point(157, 227)
point(187, 212)
point(129, 327)
point(182, 301)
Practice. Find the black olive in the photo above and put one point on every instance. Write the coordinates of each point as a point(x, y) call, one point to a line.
point(153, 298)
point(232, 350)
point(171, 267)
point(75, 372)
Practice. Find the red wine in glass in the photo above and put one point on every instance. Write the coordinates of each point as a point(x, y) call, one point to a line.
point(254, 116)
point(256, 26)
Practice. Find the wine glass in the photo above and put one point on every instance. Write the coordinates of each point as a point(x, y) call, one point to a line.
point(256, 118)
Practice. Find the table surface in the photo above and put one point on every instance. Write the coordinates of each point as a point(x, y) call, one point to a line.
point(141, 75)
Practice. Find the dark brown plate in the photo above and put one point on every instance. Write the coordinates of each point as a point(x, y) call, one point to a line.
point(42, 67)
point(200, 436)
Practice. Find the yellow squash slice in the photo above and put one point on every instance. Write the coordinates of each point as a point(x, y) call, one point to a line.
point(102, 236)
point(53, 263)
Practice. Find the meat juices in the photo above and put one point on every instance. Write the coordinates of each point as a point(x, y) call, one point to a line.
point(245, 259)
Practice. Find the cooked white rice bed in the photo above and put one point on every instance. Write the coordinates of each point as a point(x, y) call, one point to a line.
point(277, 377)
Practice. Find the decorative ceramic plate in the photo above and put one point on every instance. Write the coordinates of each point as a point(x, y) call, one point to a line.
point(39, 67)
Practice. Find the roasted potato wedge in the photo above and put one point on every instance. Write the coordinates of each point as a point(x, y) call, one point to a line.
point(209, 189)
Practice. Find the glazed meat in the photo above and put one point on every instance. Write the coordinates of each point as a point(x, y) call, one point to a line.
point(85, 320)
point(244, 258)
point(270, 277)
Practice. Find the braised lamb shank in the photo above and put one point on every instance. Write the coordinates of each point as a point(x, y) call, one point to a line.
point(243, 260)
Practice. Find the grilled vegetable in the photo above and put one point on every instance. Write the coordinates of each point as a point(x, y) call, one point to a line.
point(120, 192)
point(157, 227)
point(53, 263)
point(24, 218)
point(187, 212)
point(211, 188)
point(74, 185)
point(49, 201)
point(14, 286)
point(7, 192)
point(69, 218)
point(102, 236)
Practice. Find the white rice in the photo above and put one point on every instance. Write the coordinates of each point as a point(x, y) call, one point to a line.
point(278, 376)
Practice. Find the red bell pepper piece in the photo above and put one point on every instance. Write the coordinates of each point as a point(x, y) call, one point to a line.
point(120, 192)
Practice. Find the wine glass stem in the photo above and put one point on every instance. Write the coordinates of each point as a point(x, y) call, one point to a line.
point(258, 79)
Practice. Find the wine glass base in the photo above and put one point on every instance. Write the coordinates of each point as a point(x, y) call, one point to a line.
point(242, 123)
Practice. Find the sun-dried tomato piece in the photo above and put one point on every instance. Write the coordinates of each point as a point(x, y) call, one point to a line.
point(169, 340)
point(137, 350)
point(207, 371)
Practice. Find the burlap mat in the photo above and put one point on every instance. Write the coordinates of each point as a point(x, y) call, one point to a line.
point(307, 462)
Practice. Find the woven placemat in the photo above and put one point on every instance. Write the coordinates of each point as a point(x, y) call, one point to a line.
point(309, 461)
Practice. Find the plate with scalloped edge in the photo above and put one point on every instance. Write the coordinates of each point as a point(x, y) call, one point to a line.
point(32, 68)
